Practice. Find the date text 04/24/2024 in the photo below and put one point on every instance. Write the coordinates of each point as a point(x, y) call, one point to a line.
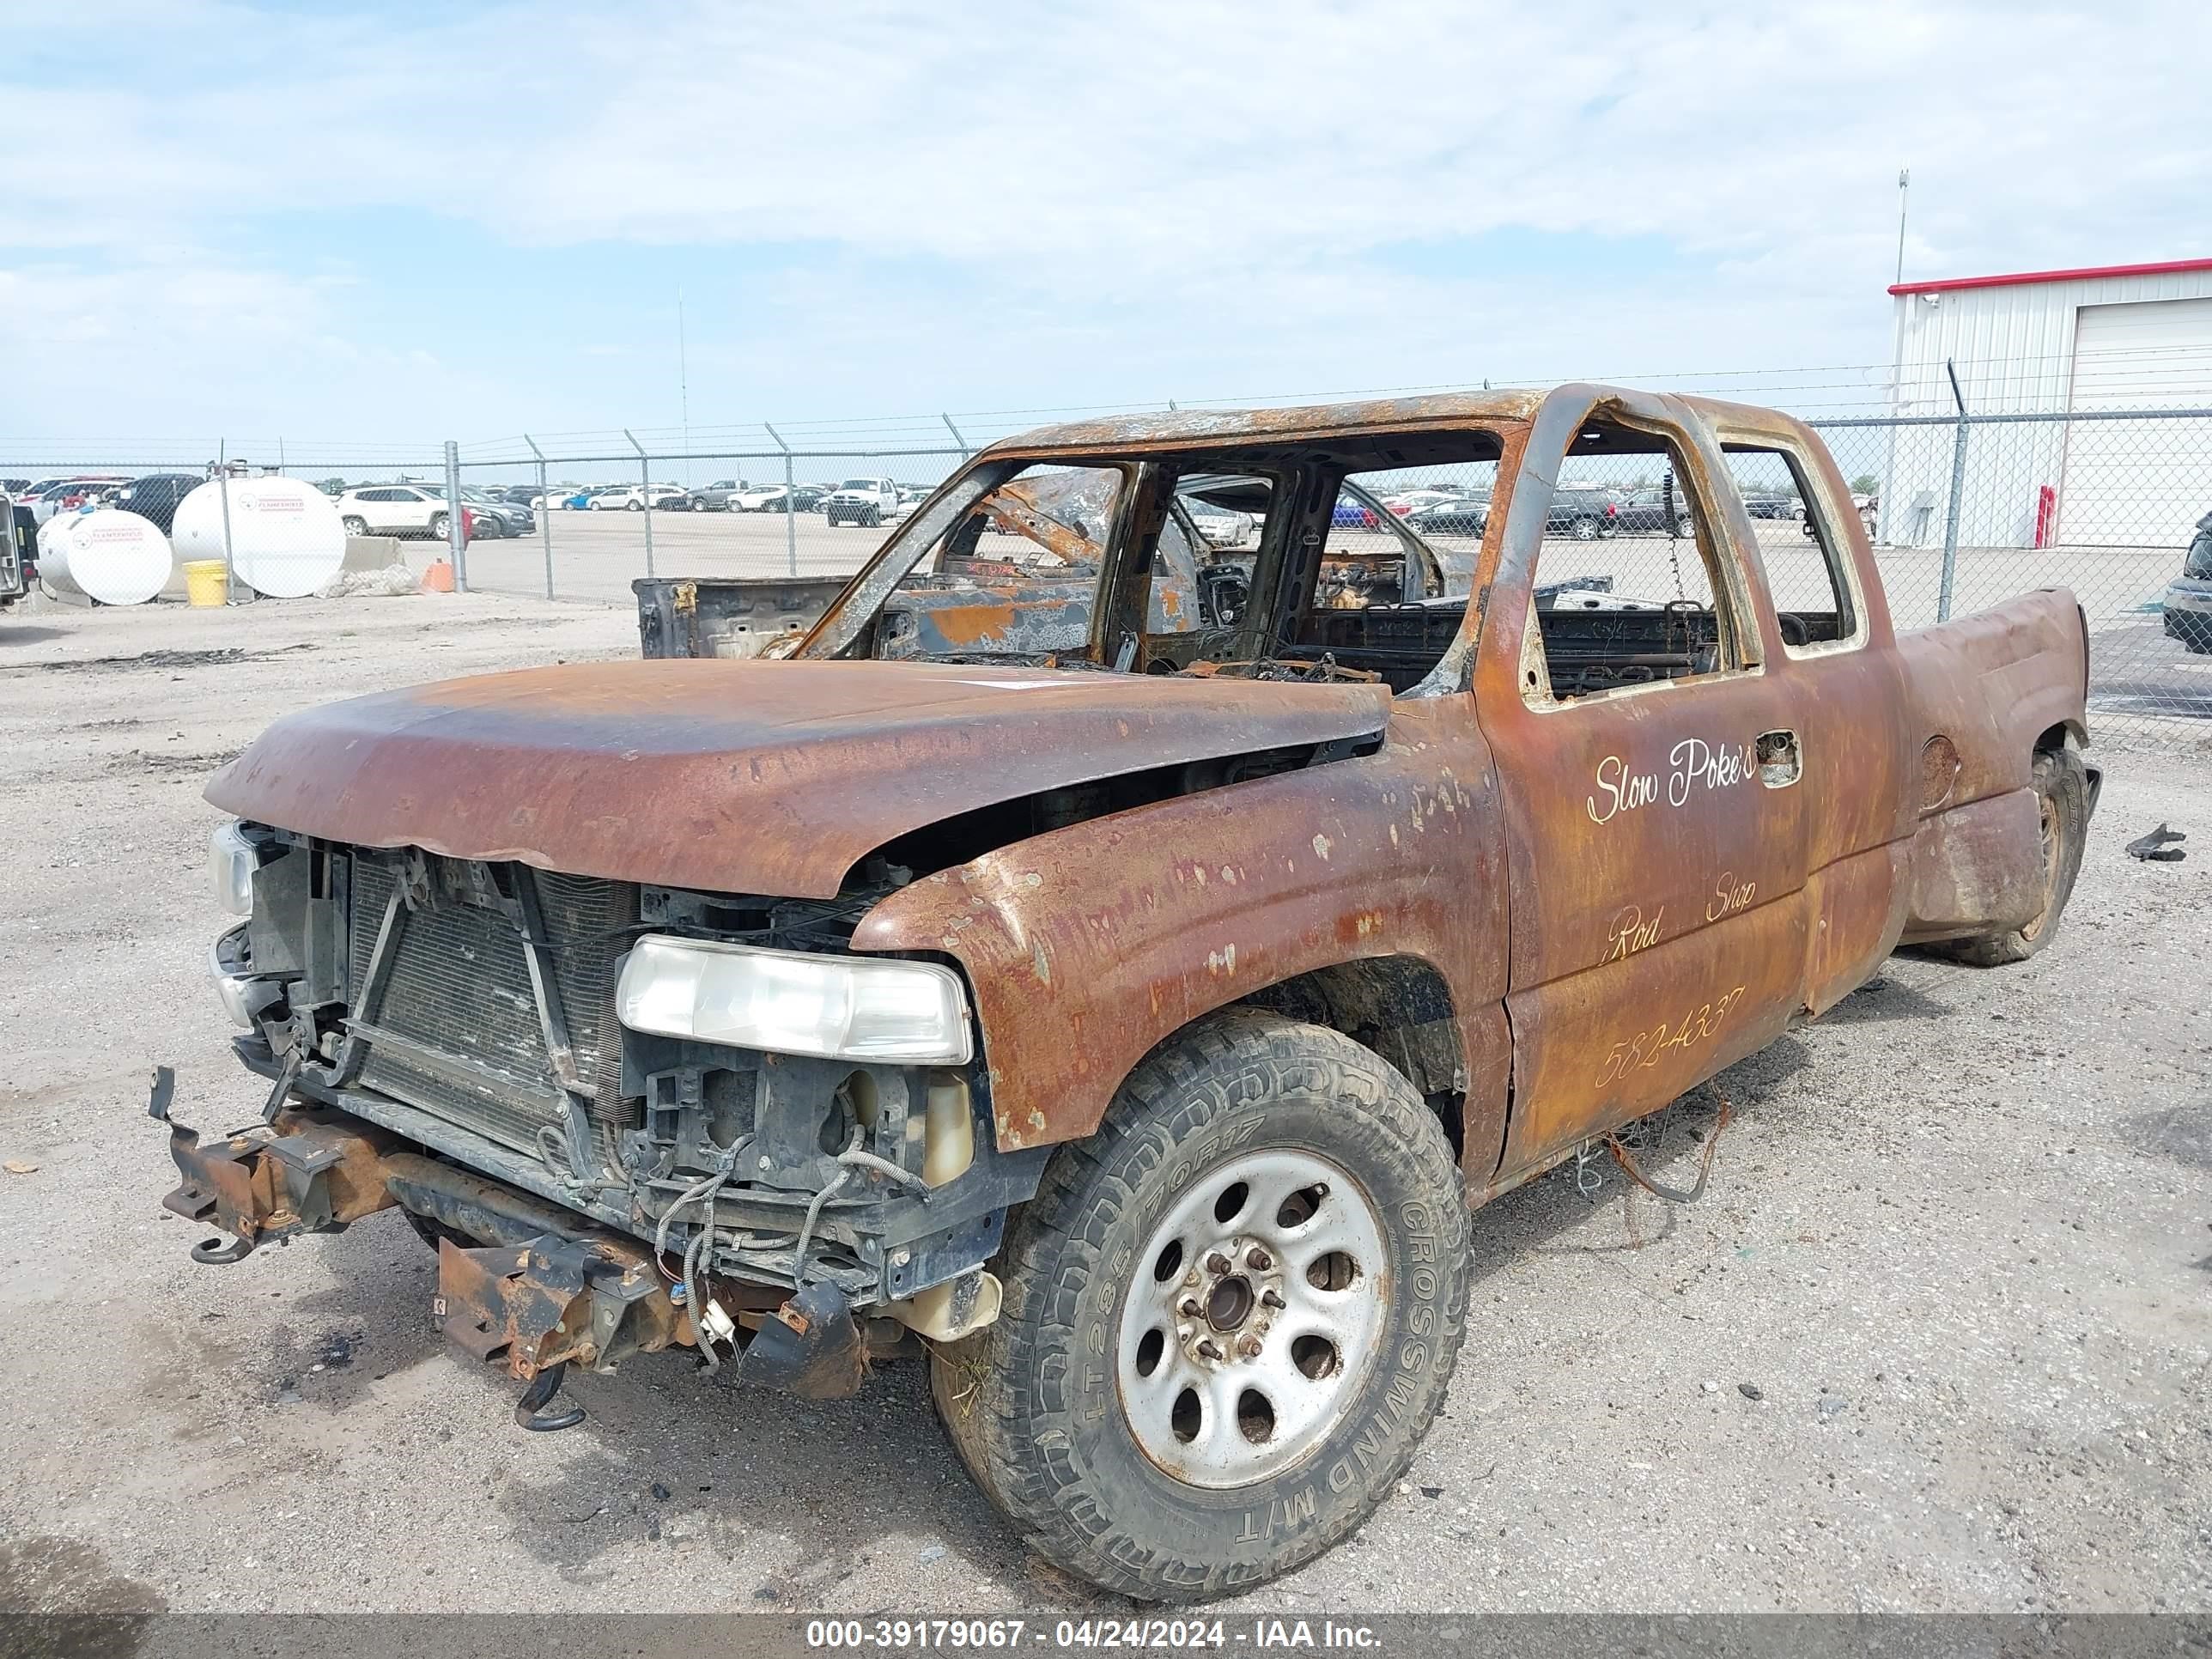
point(894, 1635)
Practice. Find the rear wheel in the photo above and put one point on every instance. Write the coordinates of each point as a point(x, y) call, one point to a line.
point(2062, 793)
point(437, 526)
point(1230, 1316)
point(1584, 529)
point(354, 526)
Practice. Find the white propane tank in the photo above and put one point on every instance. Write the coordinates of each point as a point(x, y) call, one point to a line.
point(285, 538)
point(54, 558)
point(115, 557)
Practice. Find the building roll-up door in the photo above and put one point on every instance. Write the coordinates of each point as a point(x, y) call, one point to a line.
point(2138, 483)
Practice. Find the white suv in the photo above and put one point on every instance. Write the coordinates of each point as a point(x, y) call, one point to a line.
point(395, 510)
point(864, 501)
point(633, 499)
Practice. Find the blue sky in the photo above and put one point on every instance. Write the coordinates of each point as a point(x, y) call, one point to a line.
point(360, 225)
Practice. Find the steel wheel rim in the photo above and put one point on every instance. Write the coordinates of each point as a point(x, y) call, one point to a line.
point(1288, 1288)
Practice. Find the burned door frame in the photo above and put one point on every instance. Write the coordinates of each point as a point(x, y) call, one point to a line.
point(1654, 942)
point(1855, 738)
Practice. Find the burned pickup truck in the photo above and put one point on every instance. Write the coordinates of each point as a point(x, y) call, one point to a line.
point(1127, 1003)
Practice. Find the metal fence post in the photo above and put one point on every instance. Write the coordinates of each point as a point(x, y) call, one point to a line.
point(790, 504)
point(1957, 496)
point(229, 568)
point(457, 517)
point(957, 438)
point(644, 495)
point(544, 511)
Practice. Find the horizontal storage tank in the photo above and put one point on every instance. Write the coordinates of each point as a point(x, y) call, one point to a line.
point(115, 557)
point(285, 538)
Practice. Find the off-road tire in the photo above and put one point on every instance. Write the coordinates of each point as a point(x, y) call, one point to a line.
point(2061, 788)
point(1033, 1403)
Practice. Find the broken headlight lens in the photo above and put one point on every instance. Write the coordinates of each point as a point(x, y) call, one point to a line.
point(232, 861)
point(793, 1002)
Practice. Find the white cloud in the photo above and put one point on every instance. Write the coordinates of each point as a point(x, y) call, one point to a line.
point(1186, 184)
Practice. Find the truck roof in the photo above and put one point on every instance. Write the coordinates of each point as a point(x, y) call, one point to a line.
point(1179, 428)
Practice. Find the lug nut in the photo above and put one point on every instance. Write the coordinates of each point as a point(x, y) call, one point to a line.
point(1258, 1260)
point(1249, 1347)
point(1271, 1298)
point(1209, 1349)
point(1218, 1263)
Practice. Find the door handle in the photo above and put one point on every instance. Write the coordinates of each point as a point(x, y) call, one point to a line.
point(1780, 762)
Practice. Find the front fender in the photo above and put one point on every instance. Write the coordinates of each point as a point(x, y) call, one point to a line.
point(1088, 945)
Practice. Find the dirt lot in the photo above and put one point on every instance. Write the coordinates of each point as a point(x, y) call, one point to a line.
point(1957, 1249)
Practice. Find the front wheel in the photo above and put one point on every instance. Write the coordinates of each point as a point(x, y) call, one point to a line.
point(1229, 1316)
point(437, 526)
point(2062, 795)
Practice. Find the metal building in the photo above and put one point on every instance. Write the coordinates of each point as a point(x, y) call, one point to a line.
point(2102, 339)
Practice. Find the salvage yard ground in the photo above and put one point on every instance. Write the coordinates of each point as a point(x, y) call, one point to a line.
point(1939, 1336)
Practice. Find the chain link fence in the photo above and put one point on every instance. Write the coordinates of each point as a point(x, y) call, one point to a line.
point(1963, 512)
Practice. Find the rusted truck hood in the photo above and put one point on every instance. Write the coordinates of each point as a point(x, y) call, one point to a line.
point(750, 777)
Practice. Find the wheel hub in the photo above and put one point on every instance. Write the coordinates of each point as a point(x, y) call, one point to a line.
point(1250, 1323)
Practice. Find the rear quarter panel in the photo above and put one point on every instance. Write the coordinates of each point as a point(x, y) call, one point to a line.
point(1981, 692)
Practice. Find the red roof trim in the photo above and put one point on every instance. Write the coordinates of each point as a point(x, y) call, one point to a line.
point(2018, 278)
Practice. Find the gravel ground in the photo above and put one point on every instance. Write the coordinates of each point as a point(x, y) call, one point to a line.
point(1937, 1338)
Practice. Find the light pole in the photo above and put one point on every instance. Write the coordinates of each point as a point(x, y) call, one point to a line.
point(1904, 186)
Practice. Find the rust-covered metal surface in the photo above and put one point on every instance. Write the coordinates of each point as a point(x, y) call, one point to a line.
point(1607, 896)
point(764, 777)
point(1088, 946)
point(307, 1171)
point(553, 1301)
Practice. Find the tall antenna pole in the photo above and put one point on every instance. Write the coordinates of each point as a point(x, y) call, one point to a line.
point(683, 385)
point(1904, 185)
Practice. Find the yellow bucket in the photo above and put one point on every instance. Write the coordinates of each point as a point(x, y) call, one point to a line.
point(204, 581)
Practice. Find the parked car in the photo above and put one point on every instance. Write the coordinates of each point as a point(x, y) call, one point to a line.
point(1352, 514)
point(496, 516)
point(19, 541)
point(519, 496)
point(415, 510)
point(715, 497)
point(1583, 514)
point(1772, 504)
point(2189, 596)
point(863, 501)
point(634, 499)
point(1219, 526)
point(1654, 510)
point(68, 495)
point(757, 498)
point(806, 1012)
point(1454, 516)
point(156, 496)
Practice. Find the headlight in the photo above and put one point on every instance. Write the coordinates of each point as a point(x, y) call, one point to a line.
point(793, 1002)
point(231, 863)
